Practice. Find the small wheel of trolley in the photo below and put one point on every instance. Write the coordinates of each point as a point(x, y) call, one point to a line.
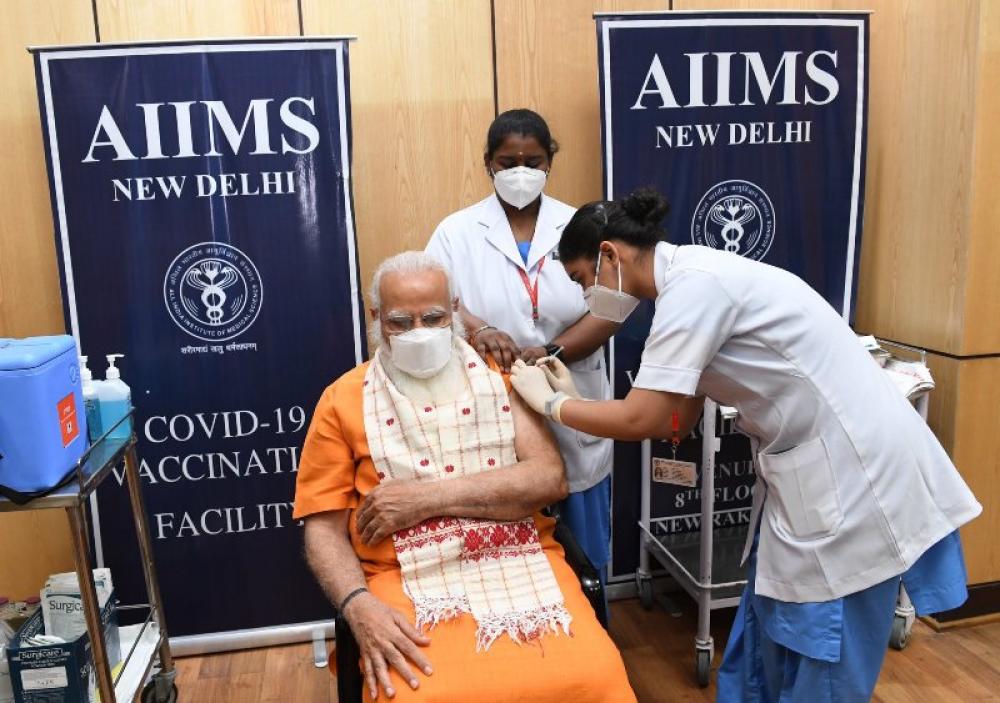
point(644, 584)
point(900, 633)
point(149, 694)
point(703, 666)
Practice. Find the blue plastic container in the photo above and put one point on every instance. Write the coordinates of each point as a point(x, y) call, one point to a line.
point(43, 424)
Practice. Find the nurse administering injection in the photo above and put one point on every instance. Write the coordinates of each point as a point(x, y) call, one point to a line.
point(854, 493)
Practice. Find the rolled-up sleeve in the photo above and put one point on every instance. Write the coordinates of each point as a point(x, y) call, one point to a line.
point(326, 476)
point(694, 317)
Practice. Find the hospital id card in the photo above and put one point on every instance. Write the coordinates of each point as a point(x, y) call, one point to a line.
point(678, 473)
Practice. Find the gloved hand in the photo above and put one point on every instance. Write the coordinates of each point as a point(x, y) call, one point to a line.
point(531, 384)
point(560, 377)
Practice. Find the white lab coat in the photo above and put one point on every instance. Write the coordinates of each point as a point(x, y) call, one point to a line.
point(478, 247)
point(852, 486)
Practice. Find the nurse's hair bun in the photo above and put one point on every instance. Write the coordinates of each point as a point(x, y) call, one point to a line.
point(634, 219)
point(646, 206)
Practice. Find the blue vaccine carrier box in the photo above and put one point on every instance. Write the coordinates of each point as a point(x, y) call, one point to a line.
point(43, 424)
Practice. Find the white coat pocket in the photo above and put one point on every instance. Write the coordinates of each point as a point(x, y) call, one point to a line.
point(803, 491)
point(591, 385)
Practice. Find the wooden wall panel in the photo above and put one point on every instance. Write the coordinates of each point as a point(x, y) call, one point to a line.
point(31, 544)
point(29, 282)
point(965, 408)
point(547, 61)
point(134, 20)
point(921, 89)
point(982, 309)
point(421, 101)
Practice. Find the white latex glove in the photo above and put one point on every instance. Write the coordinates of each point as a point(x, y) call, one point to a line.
point(531, 384)
point(560, 377)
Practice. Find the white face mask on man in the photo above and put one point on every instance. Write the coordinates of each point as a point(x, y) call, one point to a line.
point(606, 303)
point(422, 352)
point(519, 186)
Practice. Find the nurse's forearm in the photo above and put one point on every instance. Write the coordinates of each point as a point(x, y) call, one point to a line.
point(584, 337)
point(643, 414)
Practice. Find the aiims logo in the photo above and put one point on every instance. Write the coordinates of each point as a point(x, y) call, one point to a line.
point(735, 216)
point(213, 291)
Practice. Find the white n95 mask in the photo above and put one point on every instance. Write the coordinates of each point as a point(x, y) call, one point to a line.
point(519, 186)
point(422, 352)
point(607, 304)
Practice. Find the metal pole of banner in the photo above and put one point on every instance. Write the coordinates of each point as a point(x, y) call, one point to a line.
point(252, 638)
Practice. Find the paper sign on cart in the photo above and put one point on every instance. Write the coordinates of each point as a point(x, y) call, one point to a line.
point(41, 679)
point(679, 473)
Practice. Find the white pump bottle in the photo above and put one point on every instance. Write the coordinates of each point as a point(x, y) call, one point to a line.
point(115, 401)
point(90, 403)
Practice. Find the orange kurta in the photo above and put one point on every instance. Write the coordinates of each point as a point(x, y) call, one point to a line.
point(336, 472)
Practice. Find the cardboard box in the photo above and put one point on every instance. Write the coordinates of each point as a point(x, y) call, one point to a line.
point(59, 673)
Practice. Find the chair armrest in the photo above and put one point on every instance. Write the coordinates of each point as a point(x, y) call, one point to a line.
point(586, 572)
point(350, 683)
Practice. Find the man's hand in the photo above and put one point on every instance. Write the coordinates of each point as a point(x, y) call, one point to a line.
point(386, 639)
point(393, 506)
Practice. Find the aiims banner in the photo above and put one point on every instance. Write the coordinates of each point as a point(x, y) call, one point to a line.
point(753, 126)
point(202, 199)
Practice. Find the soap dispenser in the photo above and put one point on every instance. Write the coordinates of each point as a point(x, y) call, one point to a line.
point(115, 401)
point(90, 404)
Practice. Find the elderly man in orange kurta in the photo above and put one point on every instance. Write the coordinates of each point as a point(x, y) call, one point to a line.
point(420, 484)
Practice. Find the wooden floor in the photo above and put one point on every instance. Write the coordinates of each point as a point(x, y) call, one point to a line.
point(960, 666)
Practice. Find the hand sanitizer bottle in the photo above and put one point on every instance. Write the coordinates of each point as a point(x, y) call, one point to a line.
point(115, 401)
point(94, 429)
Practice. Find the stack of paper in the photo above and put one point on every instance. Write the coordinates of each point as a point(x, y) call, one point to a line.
point(910, 377)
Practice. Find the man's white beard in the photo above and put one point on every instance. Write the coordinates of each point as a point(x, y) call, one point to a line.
point(446, 386)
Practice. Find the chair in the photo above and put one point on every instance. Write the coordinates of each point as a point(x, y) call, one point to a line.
point(350, 682)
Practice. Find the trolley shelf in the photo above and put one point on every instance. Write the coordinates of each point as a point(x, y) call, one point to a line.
point(141, 642)
point(93, 467)
point(681, 552)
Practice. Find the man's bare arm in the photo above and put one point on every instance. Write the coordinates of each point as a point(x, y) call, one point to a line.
point(331, 555)
point(386, 638)
point(508, 493)
point(514, 492)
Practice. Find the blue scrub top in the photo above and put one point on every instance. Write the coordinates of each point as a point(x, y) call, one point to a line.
point(935, 583)
point(523, 248)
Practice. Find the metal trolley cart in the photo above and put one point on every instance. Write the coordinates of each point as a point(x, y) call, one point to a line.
point(699, 561)
point(142, 645)
point(902, 624)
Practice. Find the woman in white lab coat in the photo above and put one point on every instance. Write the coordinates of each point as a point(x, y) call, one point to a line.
point(518, 303)
point(853, 491)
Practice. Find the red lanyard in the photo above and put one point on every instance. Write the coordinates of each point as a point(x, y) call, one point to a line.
point(675, 440)
point(532, 291)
